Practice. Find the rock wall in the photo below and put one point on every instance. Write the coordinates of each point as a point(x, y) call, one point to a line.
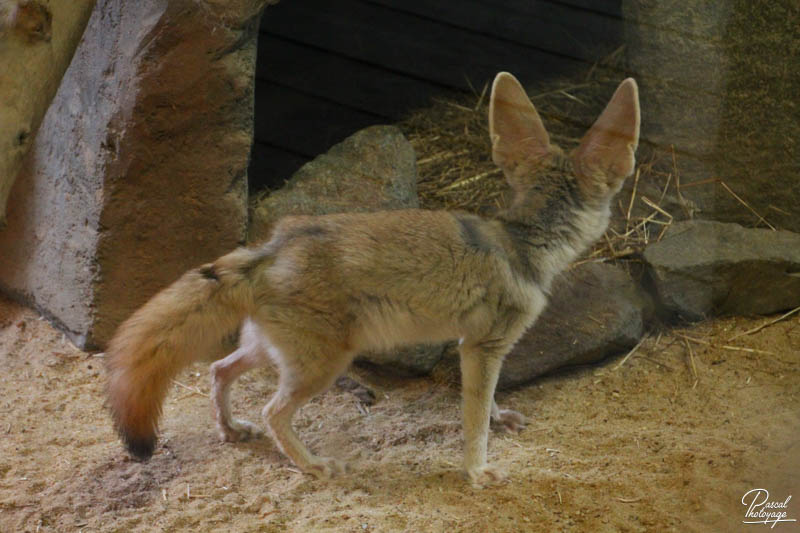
point(138, 171)
point(718, 82)
point(37, 42)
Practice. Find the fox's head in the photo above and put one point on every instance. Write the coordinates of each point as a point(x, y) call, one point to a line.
point(521, 146)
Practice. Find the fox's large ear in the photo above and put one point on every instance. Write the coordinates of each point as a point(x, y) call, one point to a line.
point(519, 140)
point(606, 151)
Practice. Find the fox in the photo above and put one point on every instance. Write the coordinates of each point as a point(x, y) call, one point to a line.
point(324, 288)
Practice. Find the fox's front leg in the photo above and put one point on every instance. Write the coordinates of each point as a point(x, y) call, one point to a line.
point(480, 368)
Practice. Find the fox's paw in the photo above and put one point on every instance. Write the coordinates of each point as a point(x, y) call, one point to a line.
point(510, 421)
point(485, 476)
point(239, 430)
point(364, 395)
point(326, 468)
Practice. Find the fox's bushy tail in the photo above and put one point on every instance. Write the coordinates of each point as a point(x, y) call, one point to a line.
point(181, 324)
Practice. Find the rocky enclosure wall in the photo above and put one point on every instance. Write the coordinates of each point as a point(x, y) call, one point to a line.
point(718, 83)
point(139, 168)
point(37, 42)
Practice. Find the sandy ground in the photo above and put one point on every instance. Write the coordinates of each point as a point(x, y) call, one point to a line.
point(645, 446)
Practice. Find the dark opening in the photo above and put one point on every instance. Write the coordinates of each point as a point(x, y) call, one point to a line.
point(327, 68)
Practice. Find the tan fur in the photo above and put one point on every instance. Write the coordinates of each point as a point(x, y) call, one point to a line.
point(180, 324)
point(325, 288)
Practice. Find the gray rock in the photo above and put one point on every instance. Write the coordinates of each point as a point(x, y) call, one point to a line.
point(417, 360)
point(372, 170)
point(595, 310)
point(703, 268)
point(139, 169)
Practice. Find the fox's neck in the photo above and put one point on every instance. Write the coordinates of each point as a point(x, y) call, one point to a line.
point(550, 228)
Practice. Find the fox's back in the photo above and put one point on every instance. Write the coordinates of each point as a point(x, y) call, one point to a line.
point(406, 273)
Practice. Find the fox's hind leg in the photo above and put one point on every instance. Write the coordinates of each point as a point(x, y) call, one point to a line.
point(309, 364)
point(507, 419)
point(252, 353)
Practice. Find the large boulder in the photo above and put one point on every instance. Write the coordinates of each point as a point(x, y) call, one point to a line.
point(595, 310)
point(139, 168)
point(372, 170)
point(702, 268)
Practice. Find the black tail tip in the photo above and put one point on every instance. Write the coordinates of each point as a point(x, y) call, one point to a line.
point(140, 448)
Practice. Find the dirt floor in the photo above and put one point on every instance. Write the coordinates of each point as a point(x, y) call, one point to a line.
point(639, 446)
